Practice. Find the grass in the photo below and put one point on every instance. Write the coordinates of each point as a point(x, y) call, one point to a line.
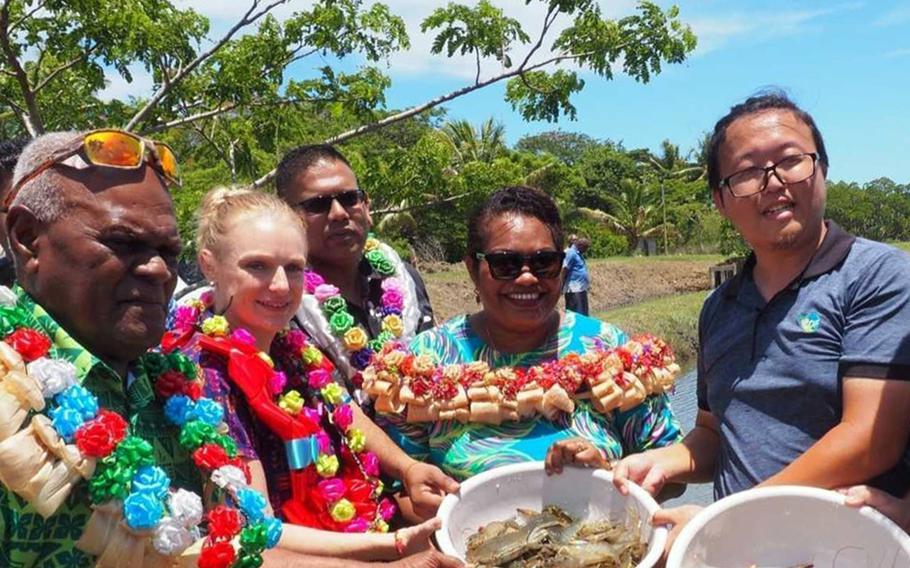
point(674, 318)
point(903, 246)
point(658, 258)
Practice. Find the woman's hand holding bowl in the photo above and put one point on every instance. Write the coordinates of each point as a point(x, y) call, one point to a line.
point(576, 451)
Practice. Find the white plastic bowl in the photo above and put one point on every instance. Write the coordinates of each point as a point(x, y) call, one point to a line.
point(495, 495)
point(776, 527)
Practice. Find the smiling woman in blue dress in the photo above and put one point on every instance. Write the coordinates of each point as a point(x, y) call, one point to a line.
point(514, 258)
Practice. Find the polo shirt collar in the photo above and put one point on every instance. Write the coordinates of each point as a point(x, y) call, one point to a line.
point(833, 250)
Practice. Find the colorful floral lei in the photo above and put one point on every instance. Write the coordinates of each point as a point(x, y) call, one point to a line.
point(413, 385)
point(339, 494)
point(335, 308)
point(125, 480)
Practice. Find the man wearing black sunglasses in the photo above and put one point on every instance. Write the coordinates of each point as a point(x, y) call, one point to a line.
point(318, 182)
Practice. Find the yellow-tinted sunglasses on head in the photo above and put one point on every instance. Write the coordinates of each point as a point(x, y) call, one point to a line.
point(111, 149)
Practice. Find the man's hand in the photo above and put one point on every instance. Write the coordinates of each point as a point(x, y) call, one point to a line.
point(641, 469)
point(577, 451)
point(678, 517)
point(428, 559)
point(898, 510)
point(426, 485)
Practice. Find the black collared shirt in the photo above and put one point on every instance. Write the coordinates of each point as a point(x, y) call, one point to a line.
point(771, 371)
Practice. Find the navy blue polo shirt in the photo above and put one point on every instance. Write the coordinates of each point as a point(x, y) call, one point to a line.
point(771, 372)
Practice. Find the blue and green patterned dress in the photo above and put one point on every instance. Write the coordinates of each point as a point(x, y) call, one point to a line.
point(463, 450)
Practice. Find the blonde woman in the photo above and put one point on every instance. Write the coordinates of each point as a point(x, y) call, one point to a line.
point(296, 436)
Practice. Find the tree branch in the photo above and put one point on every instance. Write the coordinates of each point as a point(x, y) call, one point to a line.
point(31, 118)
point(188, 119)
point(69, 64)
point(26, 16)
point(390, 210)
point(13, 104)
point(214, 145)
point(293, 55)
point(477, 58)
point(221, 109)
point(247, 19)
point(415, 110)
point(552, 12)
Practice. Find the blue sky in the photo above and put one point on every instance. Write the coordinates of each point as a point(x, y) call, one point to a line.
point(847, 63)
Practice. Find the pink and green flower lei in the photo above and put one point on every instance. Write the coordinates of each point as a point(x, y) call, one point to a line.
point(342, 324)
point(340, 494)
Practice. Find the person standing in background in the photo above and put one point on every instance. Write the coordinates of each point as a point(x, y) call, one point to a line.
point(9, 155)
point(577, 280)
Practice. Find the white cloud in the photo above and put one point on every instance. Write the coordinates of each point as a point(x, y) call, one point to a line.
point(118, 88)
point(418, 59)
point(893, 17)
point(228, 12)
point(895, 53)
point(715, 32)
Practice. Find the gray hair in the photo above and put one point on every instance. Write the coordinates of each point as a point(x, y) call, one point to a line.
point(42, 195)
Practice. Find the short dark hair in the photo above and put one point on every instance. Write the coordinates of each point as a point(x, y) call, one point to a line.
point(768, 100)
point(9, 154)
point(301, 159)
point(516, 200)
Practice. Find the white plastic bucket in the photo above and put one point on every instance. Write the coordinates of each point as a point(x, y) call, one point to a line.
point(778, 527)
point(496, 494)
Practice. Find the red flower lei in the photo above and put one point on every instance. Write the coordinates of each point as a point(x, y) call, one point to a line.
point(404, 383)
point(332, 491)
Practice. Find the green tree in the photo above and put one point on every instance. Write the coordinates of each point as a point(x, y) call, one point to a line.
point(634, 212)
point(56, 52)
point(665, 166)
point(566, 146)
point(229, 107)
point(470, 145)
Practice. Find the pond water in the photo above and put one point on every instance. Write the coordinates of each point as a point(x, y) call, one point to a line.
point(685, 405)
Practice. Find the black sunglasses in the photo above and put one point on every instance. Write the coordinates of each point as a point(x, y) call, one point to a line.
point(507, 265)
point(323, 203)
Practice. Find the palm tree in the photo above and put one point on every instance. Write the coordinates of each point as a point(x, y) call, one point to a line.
point(669, 165)
point(473, 146)
point(633, 212)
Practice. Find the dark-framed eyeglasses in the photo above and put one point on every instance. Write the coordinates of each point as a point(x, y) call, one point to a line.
point(508, 265)
point(790, 170)
point(321, 204)
point(108, 148)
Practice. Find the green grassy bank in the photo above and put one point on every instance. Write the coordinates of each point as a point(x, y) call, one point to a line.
point(674, 318)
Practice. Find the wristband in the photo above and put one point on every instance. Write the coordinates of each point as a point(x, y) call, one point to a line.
point(399, 544)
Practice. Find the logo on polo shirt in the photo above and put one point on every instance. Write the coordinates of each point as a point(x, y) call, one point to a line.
point(809, 321)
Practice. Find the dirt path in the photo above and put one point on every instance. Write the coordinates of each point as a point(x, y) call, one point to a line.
point(615, 282)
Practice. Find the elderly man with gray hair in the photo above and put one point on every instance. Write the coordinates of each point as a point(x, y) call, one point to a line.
point(93, 469)
point(94, 239)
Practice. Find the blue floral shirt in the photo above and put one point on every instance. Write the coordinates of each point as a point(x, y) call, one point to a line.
point(463, 450)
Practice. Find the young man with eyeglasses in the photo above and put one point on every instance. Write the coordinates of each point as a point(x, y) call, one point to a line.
point(804, 357)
